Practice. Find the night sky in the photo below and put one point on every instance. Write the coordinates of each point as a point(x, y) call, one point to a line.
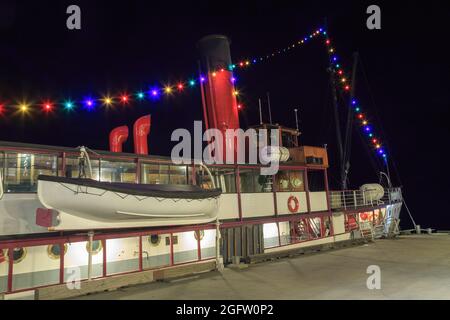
point(402, 82)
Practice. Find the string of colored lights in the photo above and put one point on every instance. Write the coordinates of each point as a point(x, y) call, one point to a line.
point(341, 77)
point(154, 93)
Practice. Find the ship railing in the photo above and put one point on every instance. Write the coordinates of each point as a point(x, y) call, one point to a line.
point(353, 199)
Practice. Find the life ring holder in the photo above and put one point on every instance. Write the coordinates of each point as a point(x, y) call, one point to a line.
point(293, 209)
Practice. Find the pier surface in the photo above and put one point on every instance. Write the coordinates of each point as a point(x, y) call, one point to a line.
point(412, 267)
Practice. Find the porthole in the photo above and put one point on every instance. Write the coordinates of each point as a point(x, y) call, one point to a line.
point(54, 251)
point(18, 254)
point(96, 247)
point(199, 232)
point(154, 239)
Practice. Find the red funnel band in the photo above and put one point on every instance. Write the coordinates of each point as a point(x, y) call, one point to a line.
point(117, 137)
point(141, 130)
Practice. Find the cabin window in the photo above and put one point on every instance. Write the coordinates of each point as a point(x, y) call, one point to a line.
point(252, 181)
point(224, 178)
point(316, 180)
point(117, 171)
point(290, 181)
point(72, 168)
point(178, 175)
point(164, 174)
point(22, 169)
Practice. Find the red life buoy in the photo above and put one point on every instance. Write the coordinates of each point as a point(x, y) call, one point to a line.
point(296, 205)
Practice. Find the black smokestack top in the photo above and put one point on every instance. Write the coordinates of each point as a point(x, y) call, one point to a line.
point(215, 50)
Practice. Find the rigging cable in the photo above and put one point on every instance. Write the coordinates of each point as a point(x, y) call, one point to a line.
point(385, 138)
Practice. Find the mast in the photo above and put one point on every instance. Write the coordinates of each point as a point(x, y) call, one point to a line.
point(348, 131)
point(337, 125)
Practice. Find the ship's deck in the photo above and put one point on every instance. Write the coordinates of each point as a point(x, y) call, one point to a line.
point(412, 267)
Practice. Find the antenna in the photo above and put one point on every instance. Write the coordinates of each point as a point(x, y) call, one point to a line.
point(296, 118)
point(268, 104)
point(260, 112)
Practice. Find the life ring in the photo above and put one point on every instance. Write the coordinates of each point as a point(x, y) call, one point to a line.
point(294, 208)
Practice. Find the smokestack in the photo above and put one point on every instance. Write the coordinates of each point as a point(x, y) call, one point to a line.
point(141, 130)
point(117, 137)
point(221, 104)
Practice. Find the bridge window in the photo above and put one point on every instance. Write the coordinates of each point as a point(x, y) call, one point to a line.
point(224, 178)
point(316, 180)
point(252, 181)
point(290, 180)
point(22, 169)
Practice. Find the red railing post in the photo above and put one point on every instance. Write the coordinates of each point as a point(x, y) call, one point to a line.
point(140, 254)
point(62, 252)
point(10, 268)
point(238, 190)
point(105, 271)
point(199, 247)
point(171, 250)
point(306, 184)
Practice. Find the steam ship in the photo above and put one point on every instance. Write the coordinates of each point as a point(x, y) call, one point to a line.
point(109, 212)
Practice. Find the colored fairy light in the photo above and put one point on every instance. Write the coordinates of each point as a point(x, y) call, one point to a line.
point(327, 42)
point(374, 140)
point(235, 92)
point(241, 64)
point(180, 86)
point(370, 135)
point(239, 106)
point(331, 51)
point(340, 72)
point(347, 87)
point(89, 103)
point(254, 60)
point(124, 98)
point(233, 79)
point(334, 58)
point(214, 74)
point(68, 105)
point(367, 129)
point(343, 80)
point(202, 79)
point(47, 106)
point(377, 146)
point(107, 101)
point(353, 102)
point(168, 89)
point(140, 95)
point(360, 116)
point(247, 63)
point(192, 83)
point(23, 107)
point(364, 122)
point(357, 109)
point(338, 65)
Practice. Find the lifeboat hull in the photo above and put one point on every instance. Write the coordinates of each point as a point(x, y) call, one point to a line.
point(87, 204)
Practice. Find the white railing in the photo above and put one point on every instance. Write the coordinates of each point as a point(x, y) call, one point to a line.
point(352, 199)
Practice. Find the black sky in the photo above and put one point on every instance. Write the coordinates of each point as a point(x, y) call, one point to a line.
point(127, 45)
